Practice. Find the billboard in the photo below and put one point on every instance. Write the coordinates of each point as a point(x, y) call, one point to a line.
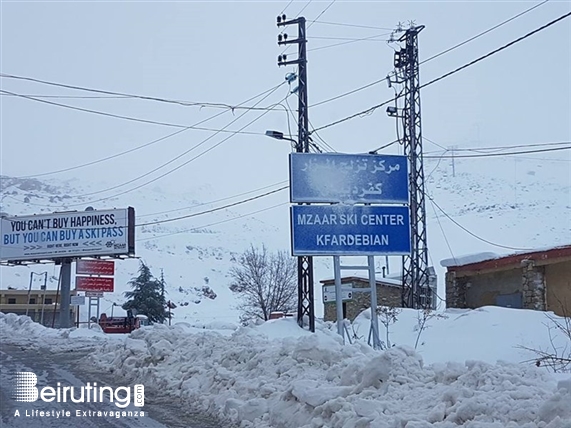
point(95, 267)
point(68, 235)
point(347, 230)
point(329, 178)
point(94, 283)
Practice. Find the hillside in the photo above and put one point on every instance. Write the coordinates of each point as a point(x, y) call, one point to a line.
point(517, 203)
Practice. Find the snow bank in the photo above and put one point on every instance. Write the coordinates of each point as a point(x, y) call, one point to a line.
point(26, 330)
point(315, 381)
point(488, 334)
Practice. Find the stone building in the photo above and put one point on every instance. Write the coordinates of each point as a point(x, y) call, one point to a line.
point(389, 293)
point(539, 280)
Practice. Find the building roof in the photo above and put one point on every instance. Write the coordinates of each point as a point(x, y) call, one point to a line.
point(487, 261)
point(387, 281)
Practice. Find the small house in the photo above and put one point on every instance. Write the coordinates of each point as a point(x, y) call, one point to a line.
point(389, 293)
point(539, 279)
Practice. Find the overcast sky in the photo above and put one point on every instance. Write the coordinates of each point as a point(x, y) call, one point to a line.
point(225, 52)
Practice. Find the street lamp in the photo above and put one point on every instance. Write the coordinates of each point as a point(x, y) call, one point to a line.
point(280, 136)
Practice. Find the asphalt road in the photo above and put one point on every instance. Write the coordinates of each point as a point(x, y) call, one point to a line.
point(69, 368)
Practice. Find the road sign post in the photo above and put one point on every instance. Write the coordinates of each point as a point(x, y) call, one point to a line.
point(350, 225)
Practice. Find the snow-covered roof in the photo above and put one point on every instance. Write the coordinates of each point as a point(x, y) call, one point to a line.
point(468, 259)
point(361, 275)
point(486, 256)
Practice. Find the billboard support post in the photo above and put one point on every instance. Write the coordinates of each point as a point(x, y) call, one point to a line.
point(64, 317)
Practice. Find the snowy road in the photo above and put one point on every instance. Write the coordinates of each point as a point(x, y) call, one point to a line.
point(68, 368)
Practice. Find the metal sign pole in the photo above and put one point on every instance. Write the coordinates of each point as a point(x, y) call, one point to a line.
point(338, 296)
point(29, 292)
point(89, 313)
point(374, 304)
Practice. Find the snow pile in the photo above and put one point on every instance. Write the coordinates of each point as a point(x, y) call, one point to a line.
point(488, 334)
point(26, 330)
point(314, 380)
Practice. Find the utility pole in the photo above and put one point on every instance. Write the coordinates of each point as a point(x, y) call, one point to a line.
point(305, 306)
point(162, 284)
point(452, 153)
point(416, 291)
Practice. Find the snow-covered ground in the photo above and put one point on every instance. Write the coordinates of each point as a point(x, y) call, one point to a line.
point(468, 370)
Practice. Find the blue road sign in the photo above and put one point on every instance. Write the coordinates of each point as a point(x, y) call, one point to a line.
point(350, 230)
point(330, 178)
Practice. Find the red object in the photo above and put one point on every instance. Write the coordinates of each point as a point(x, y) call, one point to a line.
point(94, 283)
point(118, 324)
point(95, 267)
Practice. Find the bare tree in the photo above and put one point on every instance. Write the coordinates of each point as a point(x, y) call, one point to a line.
point(422, 317)
point(265, 282)
point(388, 315)
point(556, 358)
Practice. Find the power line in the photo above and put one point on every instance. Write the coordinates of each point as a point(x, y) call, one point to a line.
point(285, 8)
point(322, 12)
point(349, 92)
point(351, 39)
point(211, 202)
point(486, 155)
point(372, 109)
point(435, 143)
point(498, 148)
point(213, 224)
point(146, 144)
point(213, 209)
point(513, 42)
point(176, 158)
point(341, 24)
point(113, 94)
point(517, 146)
point(473, 234)
point(326, 146)
point(362, 39)
point(484, 32)
point(303, 8)
point(432, 57)
point(443, 233)
point(169, 162)
point(129, 118)
point(73, 97)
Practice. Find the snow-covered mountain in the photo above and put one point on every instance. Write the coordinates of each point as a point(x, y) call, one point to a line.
point(517, 203)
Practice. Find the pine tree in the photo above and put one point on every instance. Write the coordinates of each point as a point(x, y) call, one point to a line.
point(147, 296)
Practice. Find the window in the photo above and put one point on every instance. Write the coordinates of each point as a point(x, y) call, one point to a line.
point(32, 301)
point(48, 301)
point(11, 300)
